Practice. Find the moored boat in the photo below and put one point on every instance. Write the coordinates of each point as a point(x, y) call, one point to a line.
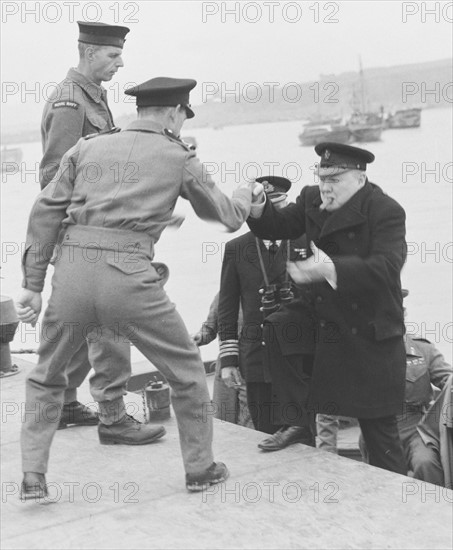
point(405, 118)
point(365, 126)
point(314, 134)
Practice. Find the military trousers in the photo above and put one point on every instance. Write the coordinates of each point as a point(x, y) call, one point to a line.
point(105, 290)
point(77, 370)
point(424, 461)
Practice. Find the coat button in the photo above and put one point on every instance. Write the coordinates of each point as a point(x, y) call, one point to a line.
point(319, 299)
point(351, 235)
point(322, 323)
point(354, 331)
point(354, 306)
point(67, 237)
point(263, 343)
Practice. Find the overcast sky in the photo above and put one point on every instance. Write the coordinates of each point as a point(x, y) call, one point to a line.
point(217, 42)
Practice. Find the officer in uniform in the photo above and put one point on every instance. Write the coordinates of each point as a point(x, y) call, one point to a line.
point(357, 250)
point(77, 108)
point(121, 294)
point(253, 279)
point(425, 365)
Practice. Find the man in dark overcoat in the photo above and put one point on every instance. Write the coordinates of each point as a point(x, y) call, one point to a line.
point(357, 250)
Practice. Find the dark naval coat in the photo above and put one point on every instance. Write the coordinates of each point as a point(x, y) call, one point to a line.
point(241, 280)
point(359, 363)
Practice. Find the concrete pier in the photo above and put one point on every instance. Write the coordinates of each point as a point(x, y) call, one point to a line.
point(134, 497)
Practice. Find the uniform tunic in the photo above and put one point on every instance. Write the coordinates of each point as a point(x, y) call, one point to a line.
point(78, 107)
point(241, 281)
point(425, 365)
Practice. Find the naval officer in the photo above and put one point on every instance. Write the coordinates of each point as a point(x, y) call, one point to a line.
point(118, 220)
point(79, 107)
point(357, 251)
point(254, 275)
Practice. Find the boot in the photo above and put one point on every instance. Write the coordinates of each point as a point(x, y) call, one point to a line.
point(216, 473)
point(78, 414)
point(33, 486)
point(129, 431)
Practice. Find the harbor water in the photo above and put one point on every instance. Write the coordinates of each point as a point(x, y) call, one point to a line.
point(412, 165)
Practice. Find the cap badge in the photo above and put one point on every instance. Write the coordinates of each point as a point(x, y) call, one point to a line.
point(268, 187)
point(327, 154)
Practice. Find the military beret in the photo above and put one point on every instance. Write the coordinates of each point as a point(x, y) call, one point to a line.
point(337, 158)
point(102, 34)
point(165, 92)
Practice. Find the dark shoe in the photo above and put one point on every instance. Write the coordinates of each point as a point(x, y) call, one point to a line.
point(78, 414)
point(287, 436)
point(33, 486)
point(216, 473)
point(129, 431)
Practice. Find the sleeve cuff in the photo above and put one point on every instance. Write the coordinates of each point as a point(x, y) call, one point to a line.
point(229, 353)
point(256, 210)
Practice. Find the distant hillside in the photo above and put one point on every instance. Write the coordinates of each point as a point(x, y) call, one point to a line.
point(331, 95)
point(384, 87)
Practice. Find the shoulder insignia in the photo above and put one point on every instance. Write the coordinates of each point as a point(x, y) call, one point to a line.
point(168, 133)
point(65, 103)
point(113, 130)
point(190, 146)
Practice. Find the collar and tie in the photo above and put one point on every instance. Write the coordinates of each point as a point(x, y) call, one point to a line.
point(272, 246)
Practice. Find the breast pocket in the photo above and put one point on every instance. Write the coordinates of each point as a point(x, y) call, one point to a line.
point(415, 369)
point(418, 386)
point(96, 122)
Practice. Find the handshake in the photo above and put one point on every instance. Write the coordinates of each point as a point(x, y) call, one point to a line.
point(257, 190)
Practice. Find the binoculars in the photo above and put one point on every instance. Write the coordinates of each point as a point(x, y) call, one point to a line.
point(274, 296)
